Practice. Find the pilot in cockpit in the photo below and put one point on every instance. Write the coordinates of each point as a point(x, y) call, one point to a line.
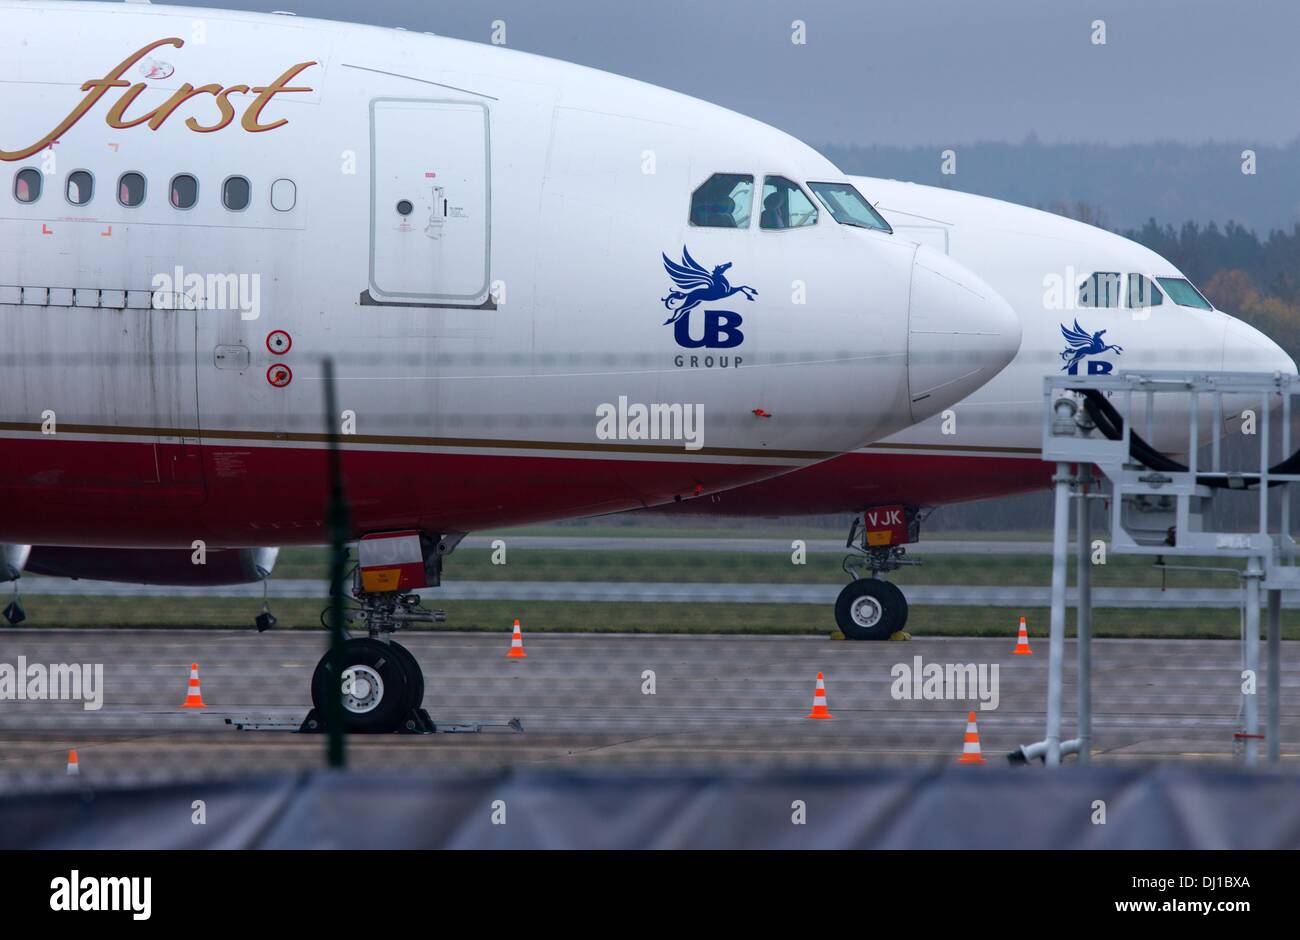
point(713, 206)
point(775, 210)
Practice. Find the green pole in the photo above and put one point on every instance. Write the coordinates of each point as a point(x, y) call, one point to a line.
point(339, 527)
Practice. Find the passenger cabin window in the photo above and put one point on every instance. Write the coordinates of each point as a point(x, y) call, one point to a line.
point(785, 205)
point(236, 193)
point(724, 200)
point(81, 187)
point(184, 191)
point(1100, 290)
point(1181, 292)
point(27, 185)
point(1142, 292)
point(130, 189)
point(847, 206)
point(284, 195)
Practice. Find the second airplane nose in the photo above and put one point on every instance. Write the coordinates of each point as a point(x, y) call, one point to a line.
point(961, 333)
point(1246, 349)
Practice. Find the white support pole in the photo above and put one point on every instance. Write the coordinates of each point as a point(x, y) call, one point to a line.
point(1083, 616)
point(1056, 639)
point(1272, 734)
point(1251, 587)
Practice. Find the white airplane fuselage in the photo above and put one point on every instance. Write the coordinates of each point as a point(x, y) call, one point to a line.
point(989, 444)
point(198, 208)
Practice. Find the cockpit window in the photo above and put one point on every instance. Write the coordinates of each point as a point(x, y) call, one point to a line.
point(847, 207)
point(1142, 292)
point(724, 200)
point(1181, 292)
point(785, 205)
point(1100, 290)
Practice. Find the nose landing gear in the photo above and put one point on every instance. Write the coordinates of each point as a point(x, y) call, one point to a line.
point(380, 681)
point(870, 608)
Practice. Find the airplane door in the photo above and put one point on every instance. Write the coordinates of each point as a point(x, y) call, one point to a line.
point(429, 226)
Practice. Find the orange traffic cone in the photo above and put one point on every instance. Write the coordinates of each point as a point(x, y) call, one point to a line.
point(517, 644)
point(819, 709)
point(970, 751)
point(194, 699)
point(1022, 641)
point(73, 768)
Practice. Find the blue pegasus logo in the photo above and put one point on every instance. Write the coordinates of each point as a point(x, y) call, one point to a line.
point(1080, 344)
point(696, 285)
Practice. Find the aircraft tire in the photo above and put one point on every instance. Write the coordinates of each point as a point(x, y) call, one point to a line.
point(902, 599)
point(414, 674)
point(378, 697)
point(870, 609)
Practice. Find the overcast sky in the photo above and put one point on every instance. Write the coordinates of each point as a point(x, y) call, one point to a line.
point(934, 72)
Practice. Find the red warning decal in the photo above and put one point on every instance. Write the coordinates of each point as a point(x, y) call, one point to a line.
point(279, 342)
point(279, 375)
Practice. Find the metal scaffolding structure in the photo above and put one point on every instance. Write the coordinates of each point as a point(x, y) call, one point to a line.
point(1161, 507)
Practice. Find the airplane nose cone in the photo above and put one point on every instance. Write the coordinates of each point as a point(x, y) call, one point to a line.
point(961, 333)
point(1246, 349)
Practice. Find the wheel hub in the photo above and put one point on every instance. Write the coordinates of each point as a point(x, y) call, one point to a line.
point(866, 611)
point(363, 690)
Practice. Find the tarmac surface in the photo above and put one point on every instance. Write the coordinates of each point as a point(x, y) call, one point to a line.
point(936, 595)
point(581, 701)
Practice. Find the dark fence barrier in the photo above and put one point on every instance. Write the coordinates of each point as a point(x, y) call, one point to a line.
point(1169, 808)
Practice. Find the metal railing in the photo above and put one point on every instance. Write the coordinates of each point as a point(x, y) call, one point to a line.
point(1161, 506)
